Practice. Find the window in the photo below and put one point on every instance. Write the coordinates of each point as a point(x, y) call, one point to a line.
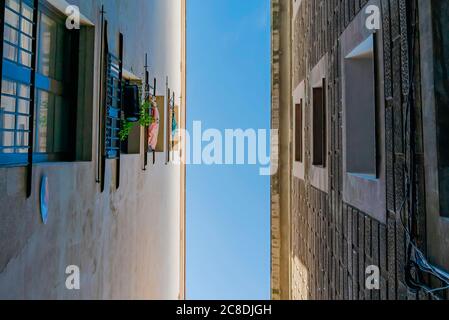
point(16, 79)
point(55, 99)
point(113, 106)
point(318, 172)
point(299, 132)
point(132, 93)
point(363, 118)
point(360, 105)
point(55, 106)
point(299, 98)
point(319, 125)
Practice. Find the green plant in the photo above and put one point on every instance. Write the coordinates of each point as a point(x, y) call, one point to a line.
point(125, 130)
point(145, 114)
point(144, 121)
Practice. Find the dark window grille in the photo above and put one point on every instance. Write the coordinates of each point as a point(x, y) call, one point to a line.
point(113, 107)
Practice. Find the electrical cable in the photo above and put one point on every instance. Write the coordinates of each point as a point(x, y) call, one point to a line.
point(417, 264)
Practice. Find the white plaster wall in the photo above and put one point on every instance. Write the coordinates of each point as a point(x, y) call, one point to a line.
point(126, 242)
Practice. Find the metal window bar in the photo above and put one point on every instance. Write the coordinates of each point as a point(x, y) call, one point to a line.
point(21, 33)
point(1, 126)
point(121, 84)
point(150, 94)
point(2, 27)
point(111, 110)
point(167, 127)
point(169, 122)
point(101, 113)
point(19, 132)
point(113, 107)
point(172, 120)
point(32, 98)
point(19, 13)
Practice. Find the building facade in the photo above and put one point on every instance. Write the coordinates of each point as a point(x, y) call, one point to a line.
point(359, 99)
point(76, 195)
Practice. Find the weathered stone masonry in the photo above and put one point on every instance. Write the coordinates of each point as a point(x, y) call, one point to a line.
point(331, 242)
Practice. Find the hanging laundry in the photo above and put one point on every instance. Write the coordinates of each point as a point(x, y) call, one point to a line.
point(154, 127)
point(174, 126)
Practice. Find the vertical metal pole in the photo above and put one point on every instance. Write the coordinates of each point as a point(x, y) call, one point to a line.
point(103, 103)
point(325, 129)
point(171, 126)
point(2, 26)
point(154, 95)
point(29, 186)
point(154, 88)
point(147, 98)
point(117, 179)
point(167, 126)
point(100, 99)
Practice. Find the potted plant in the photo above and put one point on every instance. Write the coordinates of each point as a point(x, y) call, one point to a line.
point(145, 119)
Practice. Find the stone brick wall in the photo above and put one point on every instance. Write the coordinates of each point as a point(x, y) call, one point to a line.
point(333, 243)
point(275, 221)
point(279, 147)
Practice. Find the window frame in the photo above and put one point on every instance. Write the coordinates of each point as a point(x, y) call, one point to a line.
point(298, 131)
point(364, 192)
point(21, 75)
point(319, 174)
point(299, 97)
point(319, 125)
point(57, 88)
point(367, 127)
point(132, 144)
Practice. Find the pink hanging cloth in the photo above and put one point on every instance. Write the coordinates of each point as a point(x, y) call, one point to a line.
point(154, 128)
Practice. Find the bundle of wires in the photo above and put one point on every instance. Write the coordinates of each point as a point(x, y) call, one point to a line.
point(418, 268)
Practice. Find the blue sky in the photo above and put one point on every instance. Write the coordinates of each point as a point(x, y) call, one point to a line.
point(228, 86)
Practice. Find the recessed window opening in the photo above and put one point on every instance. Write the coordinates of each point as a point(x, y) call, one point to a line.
point(319, 125)
point(299, 132)
point(361, 109)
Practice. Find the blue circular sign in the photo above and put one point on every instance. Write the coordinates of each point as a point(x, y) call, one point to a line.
point(44, 199)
